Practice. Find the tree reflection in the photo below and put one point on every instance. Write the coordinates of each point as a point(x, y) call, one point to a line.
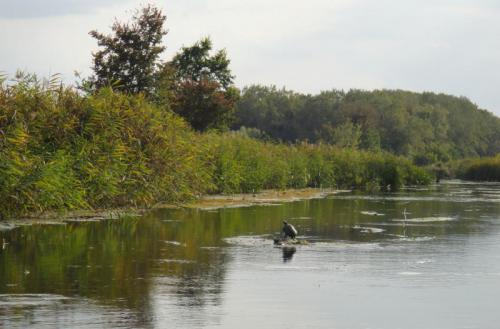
point(114, 262)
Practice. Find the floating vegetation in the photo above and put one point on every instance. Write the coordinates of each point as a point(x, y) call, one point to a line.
point(278, 241)
point(372, 213)
point(175, 243)
point(178, 261)
point(426, 219)
point(424, 261)
point(366, 229)
point(7, 226)
point(85, 220)
point(248, 240)
point(415, 239)
point(23, 300)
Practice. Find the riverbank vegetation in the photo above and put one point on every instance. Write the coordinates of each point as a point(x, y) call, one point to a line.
point(142, 131)
point(483, 169)
point(63, 150)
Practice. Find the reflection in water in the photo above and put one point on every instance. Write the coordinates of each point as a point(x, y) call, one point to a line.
point(288, 253)
point(114, 263)
point(193, 269)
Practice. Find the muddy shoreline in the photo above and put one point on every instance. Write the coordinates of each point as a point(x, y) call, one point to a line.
point(207, 202)
point(267, 197)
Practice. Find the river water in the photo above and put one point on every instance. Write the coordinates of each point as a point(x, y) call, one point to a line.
point(366, 265)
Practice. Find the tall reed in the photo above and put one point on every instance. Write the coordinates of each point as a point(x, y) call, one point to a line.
point(62, 150)
point(482, 169)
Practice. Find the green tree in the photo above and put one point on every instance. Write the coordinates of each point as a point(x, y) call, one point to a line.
point(346, 135)
point(425, 127)
point(129, 59)
point(202, 86)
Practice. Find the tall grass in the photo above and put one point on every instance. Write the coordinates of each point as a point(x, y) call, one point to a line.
point(483, 169)
point(61, 150)
point(242, 164)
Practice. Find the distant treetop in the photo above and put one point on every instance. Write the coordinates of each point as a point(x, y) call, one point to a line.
point(129, 57)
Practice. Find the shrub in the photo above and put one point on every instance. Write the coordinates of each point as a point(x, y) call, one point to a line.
point(482, 169)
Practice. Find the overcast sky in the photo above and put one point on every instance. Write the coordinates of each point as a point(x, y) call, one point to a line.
point(450, 46)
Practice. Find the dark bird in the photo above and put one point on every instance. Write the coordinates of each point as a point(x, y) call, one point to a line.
point(288, 230)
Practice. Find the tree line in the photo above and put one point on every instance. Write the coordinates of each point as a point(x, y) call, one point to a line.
point(425, 127)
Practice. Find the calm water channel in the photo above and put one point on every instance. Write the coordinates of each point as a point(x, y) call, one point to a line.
point(365, 266)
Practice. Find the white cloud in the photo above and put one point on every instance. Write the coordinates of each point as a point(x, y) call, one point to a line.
point(19, 9)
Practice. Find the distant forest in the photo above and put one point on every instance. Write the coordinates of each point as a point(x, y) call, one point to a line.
point(426, 127)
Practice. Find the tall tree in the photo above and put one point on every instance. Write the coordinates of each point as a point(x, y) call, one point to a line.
point(129, 59)
point(204, 93)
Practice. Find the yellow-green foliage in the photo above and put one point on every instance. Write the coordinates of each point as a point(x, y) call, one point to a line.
point(482, 169)
point(35, 170)
point(133, 153)
point(61, 150)
point(242, 164)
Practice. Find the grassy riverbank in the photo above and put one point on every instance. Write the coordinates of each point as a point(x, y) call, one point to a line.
point(483, 169)
point(60, 150)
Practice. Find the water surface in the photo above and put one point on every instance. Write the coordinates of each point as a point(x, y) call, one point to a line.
point(419, 258)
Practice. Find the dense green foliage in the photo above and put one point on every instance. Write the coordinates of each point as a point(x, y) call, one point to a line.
point(195, 84)
point(425, 127)
point(129, 59)
point(202, 86)
point(59, 150)
point(243, 164)
point(62, 150)
point(484, 169)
